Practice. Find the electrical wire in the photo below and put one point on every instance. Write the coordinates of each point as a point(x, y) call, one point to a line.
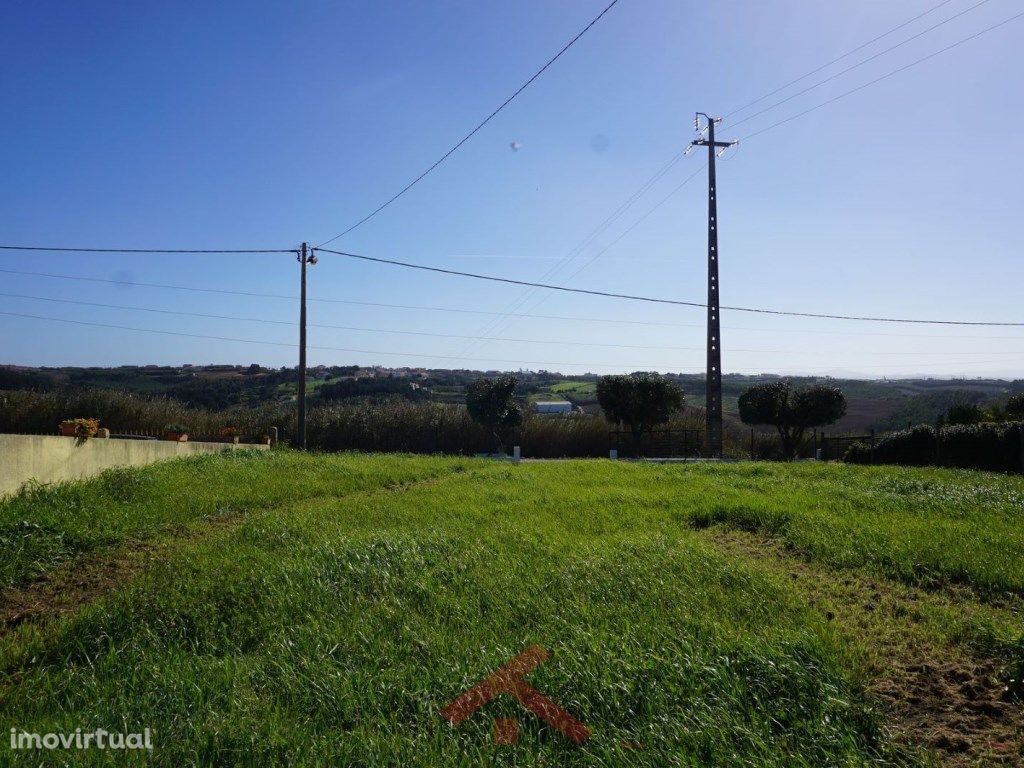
point(605, 365)
point(567, 289)
point(861, 63)
point(362, 329)
point(147, 250)
point(462, 311)
point(479, 125)
point(609, 246)
point(635, 366)
point(885, 76)
point(837, 59)
point(502, 322)
point(650, 299)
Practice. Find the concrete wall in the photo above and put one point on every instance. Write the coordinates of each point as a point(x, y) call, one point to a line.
point(52, 459)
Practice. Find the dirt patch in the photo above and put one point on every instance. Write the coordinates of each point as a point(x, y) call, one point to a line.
point(958, 709)
point(935, 693)
point(85, 579)
point(79, 582)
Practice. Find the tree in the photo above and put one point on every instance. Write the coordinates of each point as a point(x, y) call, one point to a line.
point(490, 404)
point(964, 413)
point(641, 401)
point(1015, 406)
point(791, 413)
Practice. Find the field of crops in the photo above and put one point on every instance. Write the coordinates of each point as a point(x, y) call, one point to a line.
point(322, 610)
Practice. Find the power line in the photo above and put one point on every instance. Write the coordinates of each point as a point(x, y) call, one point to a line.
point(361, 329)
point(639, 221)
point(462, 311)
point(567, 342)
point(635, 366)
point(503, 323)
point(649, 299)
point(146, 250)
point(132, 283)
point(861, 63)
point(885, 76)
point(253, 294)
point(567, 289)
point(837, 59)
point(808, 74)
point(479, 125)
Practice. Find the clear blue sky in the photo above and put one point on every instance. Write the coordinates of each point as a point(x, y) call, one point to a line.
point(265, 124)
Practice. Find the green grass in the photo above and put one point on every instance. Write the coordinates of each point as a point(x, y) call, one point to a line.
point(580, 389)
point(46, 525)
point(356, 595)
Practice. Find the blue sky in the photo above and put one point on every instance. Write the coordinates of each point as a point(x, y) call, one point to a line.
point(224, 125)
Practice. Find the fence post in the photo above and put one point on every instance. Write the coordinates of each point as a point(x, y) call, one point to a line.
point(872, 445)
point(1020, 433)
point(752, 445)
point(938, 445)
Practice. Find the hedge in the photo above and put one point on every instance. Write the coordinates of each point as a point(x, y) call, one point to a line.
point(994, 447)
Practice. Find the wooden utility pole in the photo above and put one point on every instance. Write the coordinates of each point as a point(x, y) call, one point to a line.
point(713, 403)
point(305, 257)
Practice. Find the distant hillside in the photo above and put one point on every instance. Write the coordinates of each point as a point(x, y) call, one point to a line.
point(883, 404)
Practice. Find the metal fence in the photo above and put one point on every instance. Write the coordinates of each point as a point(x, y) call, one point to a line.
point(834, 447)
point(658, 443)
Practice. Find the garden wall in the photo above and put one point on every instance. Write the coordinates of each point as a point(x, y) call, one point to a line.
point(53, 459)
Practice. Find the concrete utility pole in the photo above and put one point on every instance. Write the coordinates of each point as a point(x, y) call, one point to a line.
point(305, 257)
point(713, 404)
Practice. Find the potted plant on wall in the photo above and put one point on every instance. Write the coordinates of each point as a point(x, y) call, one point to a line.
point(176, 432)
point(81, 429)
point(230, 434)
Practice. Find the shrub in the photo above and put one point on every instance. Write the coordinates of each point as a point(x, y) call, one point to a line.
point(84, 428)
point(1015, 406)
point(388, 425)
point(965, 413)
point(792, 413)
point(639, 401)
point(994, 447)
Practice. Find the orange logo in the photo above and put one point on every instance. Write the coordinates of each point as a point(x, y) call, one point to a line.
point(509, 679)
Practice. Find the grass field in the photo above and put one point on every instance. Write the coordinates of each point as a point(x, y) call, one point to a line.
point(281, 609)
point(584, 390)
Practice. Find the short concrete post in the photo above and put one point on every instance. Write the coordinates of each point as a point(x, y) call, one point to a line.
point(273, 435)
point(103, 432)
point(517, 454)
point(613, 454)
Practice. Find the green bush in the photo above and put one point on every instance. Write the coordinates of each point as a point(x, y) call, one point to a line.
point(994, 447)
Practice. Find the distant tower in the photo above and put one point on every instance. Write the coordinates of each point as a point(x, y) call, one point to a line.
point(713, 405)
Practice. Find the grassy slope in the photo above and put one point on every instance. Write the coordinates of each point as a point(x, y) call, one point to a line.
point(351, 602)
point(47, 525)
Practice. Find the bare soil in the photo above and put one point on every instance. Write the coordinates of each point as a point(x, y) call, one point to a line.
point(937, 695)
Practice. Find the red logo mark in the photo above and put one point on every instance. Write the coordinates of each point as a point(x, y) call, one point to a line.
point(509, 679)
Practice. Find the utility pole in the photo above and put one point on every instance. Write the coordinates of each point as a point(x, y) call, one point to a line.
point(713, 403)
point(305, 257)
